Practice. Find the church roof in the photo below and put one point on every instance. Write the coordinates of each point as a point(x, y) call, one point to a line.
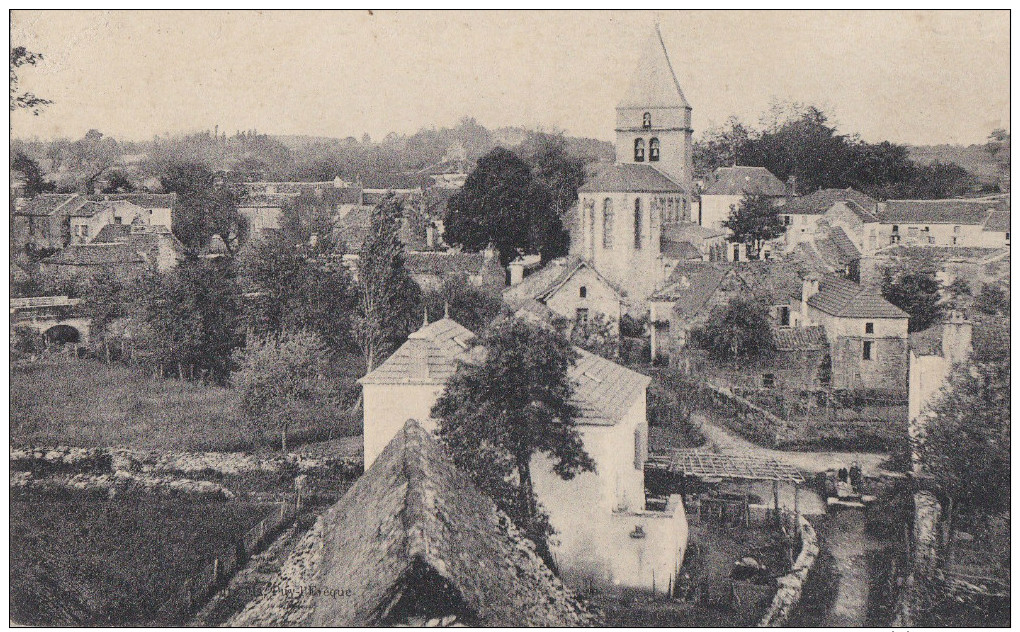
point(628, 178)
point(653, 83)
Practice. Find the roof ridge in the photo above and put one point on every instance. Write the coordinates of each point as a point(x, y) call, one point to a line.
point(418, 503)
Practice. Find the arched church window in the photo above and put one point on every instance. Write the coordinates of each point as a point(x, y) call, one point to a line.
point(653, 150)
point(639, 150)
point(637, 224)
point(607, 223)
point(646, 120)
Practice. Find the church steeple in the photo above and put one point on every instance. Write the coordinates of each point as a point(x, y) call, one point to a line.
point(653, 119)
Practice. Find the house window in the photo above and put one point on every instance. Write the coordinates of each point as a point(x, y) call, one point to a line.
point(639, 150)
point(637, 224)
point(869, 328)
point(646, 120)
point(931, 239)
point(954, 241)
point(607, 223)
point(956, 229)
point(653, 150)
point(895, 228)
point(768, 380)
point(787, 220)
point(866, 351)
point(784, 316)
point(736, 252)
point(118, 220)
point(581, 316)
point(584, 292)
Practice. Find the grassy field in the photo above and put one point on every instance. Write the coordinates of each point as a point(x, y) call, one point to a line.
point(92, 561)
point(88, 403)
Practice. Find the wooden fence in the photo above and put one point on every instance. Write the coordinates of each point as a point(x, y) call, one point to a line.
point(200, 587)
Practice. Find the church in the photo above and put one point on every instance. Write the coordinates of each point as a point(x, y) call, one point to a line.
point(628, 212)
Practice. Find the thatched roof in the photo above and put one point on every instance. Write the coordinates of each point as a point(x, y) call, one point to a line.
point(415, 538)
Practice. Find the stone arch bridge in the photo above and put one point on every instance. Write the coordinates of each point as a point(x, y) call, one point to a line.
point(57, 318)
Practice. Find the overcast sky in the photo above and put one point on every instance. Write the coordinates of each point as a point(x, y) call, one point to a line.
point(902, 76)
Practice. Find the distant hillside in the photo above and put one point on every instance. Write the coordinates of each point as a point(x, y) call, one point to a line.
point(973, 158)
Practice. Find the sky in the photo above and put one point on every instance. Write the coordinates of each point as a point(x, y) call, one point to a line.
point(907, 77)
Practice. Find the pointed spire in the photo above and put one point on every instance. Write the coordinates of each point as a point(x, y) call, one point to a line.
point(653, 82)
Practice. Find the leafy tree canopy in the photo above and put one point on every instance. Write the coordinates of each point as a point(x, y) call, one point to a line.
point(914, 288)
point(204, 207)
point(20, 99)
point(755, 221)
point(741, 329)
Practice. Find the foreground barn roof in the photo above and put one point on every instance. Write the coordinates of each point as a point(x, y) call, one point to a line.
point(429, 356)
point(415, 540)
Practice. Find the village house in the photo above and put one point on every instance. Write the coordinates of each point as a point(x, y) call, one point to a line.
point(125, 250)
point(996, 229)
point(801, 214)
point(867, 334)
point(567, 288)
point(945, 223)
point(830, 251)
point(414, 542)
point(605, 535)
point(726, 188)
point(431, 269)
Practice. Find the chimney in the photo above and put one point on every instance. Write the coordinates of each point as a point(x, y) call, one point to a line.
point(516, 272)
point(956, 338)
point(489, 252)
point(808, 289)
point(791, 186)
point(430, 236)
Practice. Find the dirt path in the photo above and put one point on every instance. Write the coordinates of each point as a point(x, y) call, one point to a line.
point(847, 542)
point(728, 441)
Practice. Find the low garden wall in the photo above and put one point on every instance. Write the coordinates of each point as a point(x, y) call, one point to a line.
point(791, 585)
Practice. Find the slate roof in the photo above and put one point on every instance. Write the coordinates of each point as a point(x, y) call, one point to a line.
point(822, 200)
point(628, 177)
point(683, 250)
point(414, 522)
point(653, 83)
point(845, 299)
point(810, 338)
point(441, 263)
point(603, 390)
point(95, 255)
point(742, 180)
point(540, 284)
point(689, 231)
point(998, 221)
point(937, 211)
point(429, 356)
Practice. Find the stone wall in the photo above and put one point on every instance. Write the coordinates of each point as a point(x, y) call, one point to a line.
point(791, 585)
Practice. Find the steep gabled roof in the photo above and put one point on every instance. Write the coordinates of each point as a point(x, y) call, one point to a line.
point(690, 285)
point(603, 390)
point(959, 211)
point(822, 200)
point(429, 356)
point(543, 283)
point(414, 517)
point(112, 233)
point(744, 180)
point(653, 82)
point(87, 209)
point(845, 299)
point(845, 248)
point(629, 178)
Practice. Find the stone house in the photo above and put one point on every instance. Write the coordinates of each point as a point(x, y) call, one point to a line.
point(946, 223)
point(597, 514)
point(725, 189)
point(414, 542)
point(867, 334)
point(996, 229)
point(801, 213)
point(124, 250)
point(568, 288)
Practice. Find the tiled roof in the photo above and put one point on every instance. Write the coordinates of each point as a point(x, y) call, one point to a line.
point(865, 214)
point(429, 356)
point(623, 178)
point(144, 200)
point(112, 233)
point(771, 282)
point(603, 390)
point(846, 249)
point(808, 254)
point(414, 519)
point(540, 284)
point(653, 83)
point(688, 231)
point(846, 299)
point(50, 203)
point(690, 285)
point(742, 180)
point(95, 255)
point(822, 200)
point(683, 250)
point(444, 262)
point(266, 200)
point(957, 211)
point(998, 221)
point(800, 338)
point(88, 209)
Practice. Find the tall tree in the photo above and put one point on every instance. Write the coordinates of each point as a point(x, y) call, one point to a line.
point(92, 155)
point(295, 286)
point(755, 221)
point(497, 415)
point(283, 380)
point(914, 288)
point(473, 307)
point(24, 100)
point(193, 312)
point(118, 182)
point(387, 298)
point(34, 181)
point(204, 207)
point(503, 203)
point(742, 329)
